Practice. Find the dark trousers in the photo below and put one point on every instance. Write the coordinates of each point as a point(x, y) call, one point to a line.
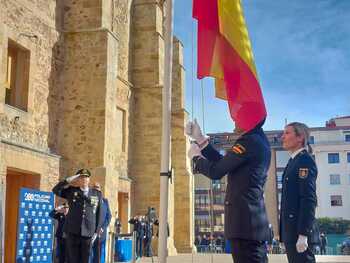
point(295, 257)
point(95, 255)
point(244, 251)
point(148, 247)
point(78, 248)
point(139, 245)
point(323, 250)
point(61, 250)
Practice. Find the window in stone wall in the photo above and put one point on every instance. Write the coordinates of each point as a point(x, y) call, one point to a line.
point(17, 77)
point(121, 129)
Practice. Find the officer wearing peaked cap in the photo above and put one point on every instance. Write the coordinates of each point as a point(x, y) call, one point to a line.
point(298, 202)
point(246, 166)
point(84, 219)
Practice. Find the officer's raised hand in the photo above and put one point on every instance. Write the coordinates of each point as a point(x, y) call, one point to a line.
point(193, 130)
point(301, 244)
point(72, 178)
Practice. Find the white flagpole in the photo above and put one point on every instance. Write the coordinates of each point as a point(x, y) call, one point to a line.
point(166, 126)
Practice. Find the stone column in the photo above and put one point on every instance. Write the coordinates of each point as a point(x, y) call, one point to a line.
point(145, 142)
point(183, 181)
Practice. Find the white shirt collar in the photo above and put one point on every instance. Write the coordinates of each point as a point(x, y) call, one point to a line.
point(293, 154)
point(85, 190)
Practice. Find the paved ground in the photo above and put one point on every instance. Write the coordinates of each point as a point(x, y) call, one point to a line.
point(224, 258)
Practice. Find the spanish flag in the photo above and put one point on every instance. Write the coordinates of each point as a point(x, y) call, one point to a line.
point(225, 53)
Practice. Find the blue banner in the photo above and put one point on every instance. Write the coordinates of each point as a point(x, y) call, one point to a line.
point(35, 227)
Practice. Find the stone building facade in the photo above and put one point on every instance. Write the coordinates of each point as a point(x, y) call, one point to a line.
point(81, 86)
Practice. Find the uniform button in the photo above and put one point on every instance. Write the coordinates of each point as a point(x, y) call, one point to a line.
point(84, 211)
point(291, 216)
point(83, 216)
point(226, 202)
point(287, 179)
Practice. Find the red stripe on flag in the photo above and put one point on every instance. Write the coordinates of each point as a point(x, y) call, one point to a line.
point(243, 91)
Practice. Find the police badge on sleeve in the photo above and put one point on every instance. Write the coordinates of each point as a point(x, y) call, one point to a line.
point(303, 173)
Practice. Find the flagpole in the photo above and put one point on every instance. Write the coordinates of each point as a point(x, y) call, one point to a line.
point(166, 126)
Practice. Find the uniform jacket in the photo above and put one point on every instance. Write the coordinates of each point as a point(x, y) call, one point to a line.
point(60, 217)
point(84, 217)
point(299, 199)
point(106, 215)
point(246, 165)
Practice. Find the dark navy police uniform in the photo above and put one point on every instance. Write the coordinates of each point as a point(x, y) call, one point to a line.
point(60, 238)
point(298, 206)
point(83, 220)
point(246, 165)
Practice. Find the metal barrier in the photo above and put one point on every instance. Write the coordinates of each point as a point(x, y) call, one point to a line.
point(210, 249)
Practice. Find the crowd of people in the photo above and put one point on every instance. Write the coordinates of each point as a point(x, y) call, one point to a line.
point(143, 226)
point(206, 244)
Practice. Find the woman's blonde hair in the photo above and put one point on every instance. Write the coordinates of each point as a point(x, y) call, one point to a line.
point(302, 130)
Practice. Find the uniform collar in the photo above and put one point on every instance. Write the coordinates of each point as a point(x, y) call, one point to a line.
point(85, 190)
point(294, 154)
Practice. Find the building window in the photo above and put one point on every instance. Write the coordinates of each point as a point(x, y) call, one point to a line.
point(348, 155)
point(279, 178)
point(215, 140)
point(334, 179)
point(17, 76)
point(347, 137)
point(336, 200)
point(312, 140)
point(121, 129)
point(333, 158)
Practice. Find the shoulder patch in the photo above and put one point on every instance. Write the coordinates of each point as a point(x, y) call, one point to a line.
point(238, 149)
point(303, 173)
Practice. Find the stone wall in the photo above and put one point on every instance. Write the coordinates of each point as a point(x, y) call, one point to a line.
point(183, 181)
point(33, 25)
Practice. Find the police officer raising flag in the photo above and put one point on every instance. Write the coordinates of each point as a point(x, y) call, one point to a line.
point(246, 164)
point(84, 219)
point(298, 204)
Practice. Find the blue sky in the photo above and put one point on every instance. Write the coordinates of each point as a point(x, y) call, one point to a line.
point(302, 54)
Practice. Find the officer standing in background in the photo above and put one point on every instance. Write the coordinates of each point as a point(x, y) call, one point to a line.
point(298, 204)
point(59, 214)
point(84, 219)
point(99, 247)
point(246, 164)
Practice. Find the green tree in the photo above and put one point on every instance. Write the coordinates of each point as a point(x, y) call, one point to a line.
point(333, 225)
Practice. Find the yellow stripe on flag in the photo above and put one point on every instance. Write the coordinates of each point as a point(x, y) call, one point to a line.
point(233, 28)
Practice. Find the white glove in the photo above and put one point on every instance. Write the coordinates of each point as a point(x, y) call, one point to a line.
point(193, 130)
point(72, 178)
point(301, 244)
point(93, 238)
point(194, 151)
point(60, 207)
